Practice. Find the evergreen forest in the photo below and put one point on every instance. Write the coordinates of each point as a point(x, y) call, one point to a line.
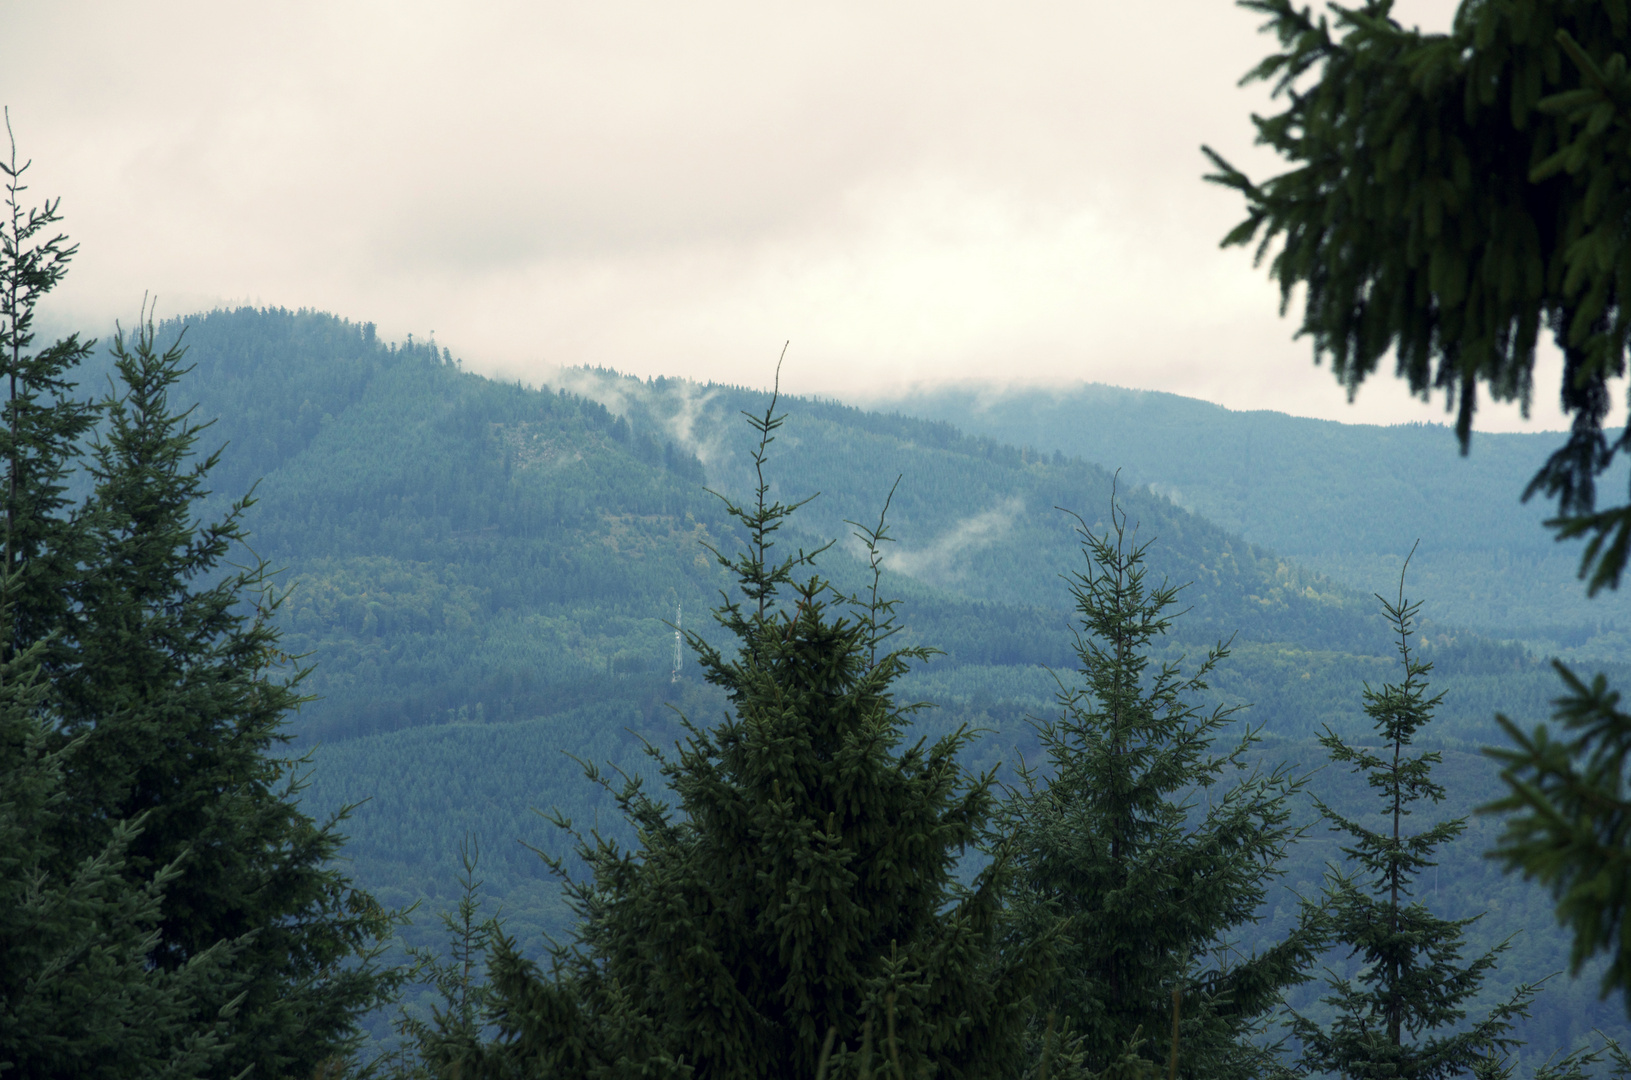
point(365, 716)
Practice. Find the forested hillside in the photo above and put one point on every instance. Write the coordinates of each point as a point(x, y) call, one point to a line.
point(456, 543)
point(483, 576)
point(1347, 500)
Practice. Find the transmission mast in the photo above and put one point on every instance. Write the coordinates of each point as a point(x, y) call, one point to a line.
point(678, 638)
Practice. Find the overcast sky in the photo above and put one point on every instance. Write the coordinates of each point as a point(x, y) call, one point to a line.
point(910, 192)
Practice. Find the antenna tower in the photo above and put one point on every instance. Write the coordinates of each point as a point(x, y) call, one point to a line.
point(678, 638)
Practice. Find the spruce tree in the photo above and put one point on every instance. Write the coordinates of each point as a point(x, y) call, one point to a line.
point(438, 1046)
point(1137, 843)
point(1404, 1012)
point(157, 666)
point(799, 908)
point(178, 694)
point(78, 995)
point(45, 424)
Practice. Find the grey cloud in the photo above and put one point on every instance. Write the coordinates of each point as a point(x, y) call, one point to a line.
point(911, 192)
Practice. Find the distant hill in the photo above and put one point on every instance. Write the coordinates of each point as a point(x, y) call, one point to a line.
point(462, 547)
point(1347, 500)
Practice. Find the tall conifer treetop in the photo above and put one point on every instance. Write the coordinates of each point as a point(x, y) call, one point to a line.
point(168, 860)
point(801, 907)
point(1404, 1014)
point(45, 423)
point(1145, 887)
point(79, 996)
point(181, 695)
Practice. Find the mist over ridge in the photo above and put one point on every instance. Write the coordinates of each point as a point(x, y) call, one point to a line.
point(1347, 500)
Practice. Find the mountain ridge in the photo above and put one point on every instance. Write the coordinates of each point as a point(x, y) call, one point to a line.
point(460, 542)
point(1346, 500)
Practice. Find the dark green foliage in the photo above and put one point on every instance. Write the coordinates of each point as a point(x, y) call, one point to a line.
point(168, 864)
point(430, 786)
point(78, 996)
point(1571, 819)
point(1583, 1062)
point(1425, 142)
point(1572, 824)
point(806, 885)
point(173, 691)
point(450, 1036)
point(78, 915)
point(1450, 196)
point(1593, 136)
point(44, 426)
point(1136, 840)
point(1404, 1012)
